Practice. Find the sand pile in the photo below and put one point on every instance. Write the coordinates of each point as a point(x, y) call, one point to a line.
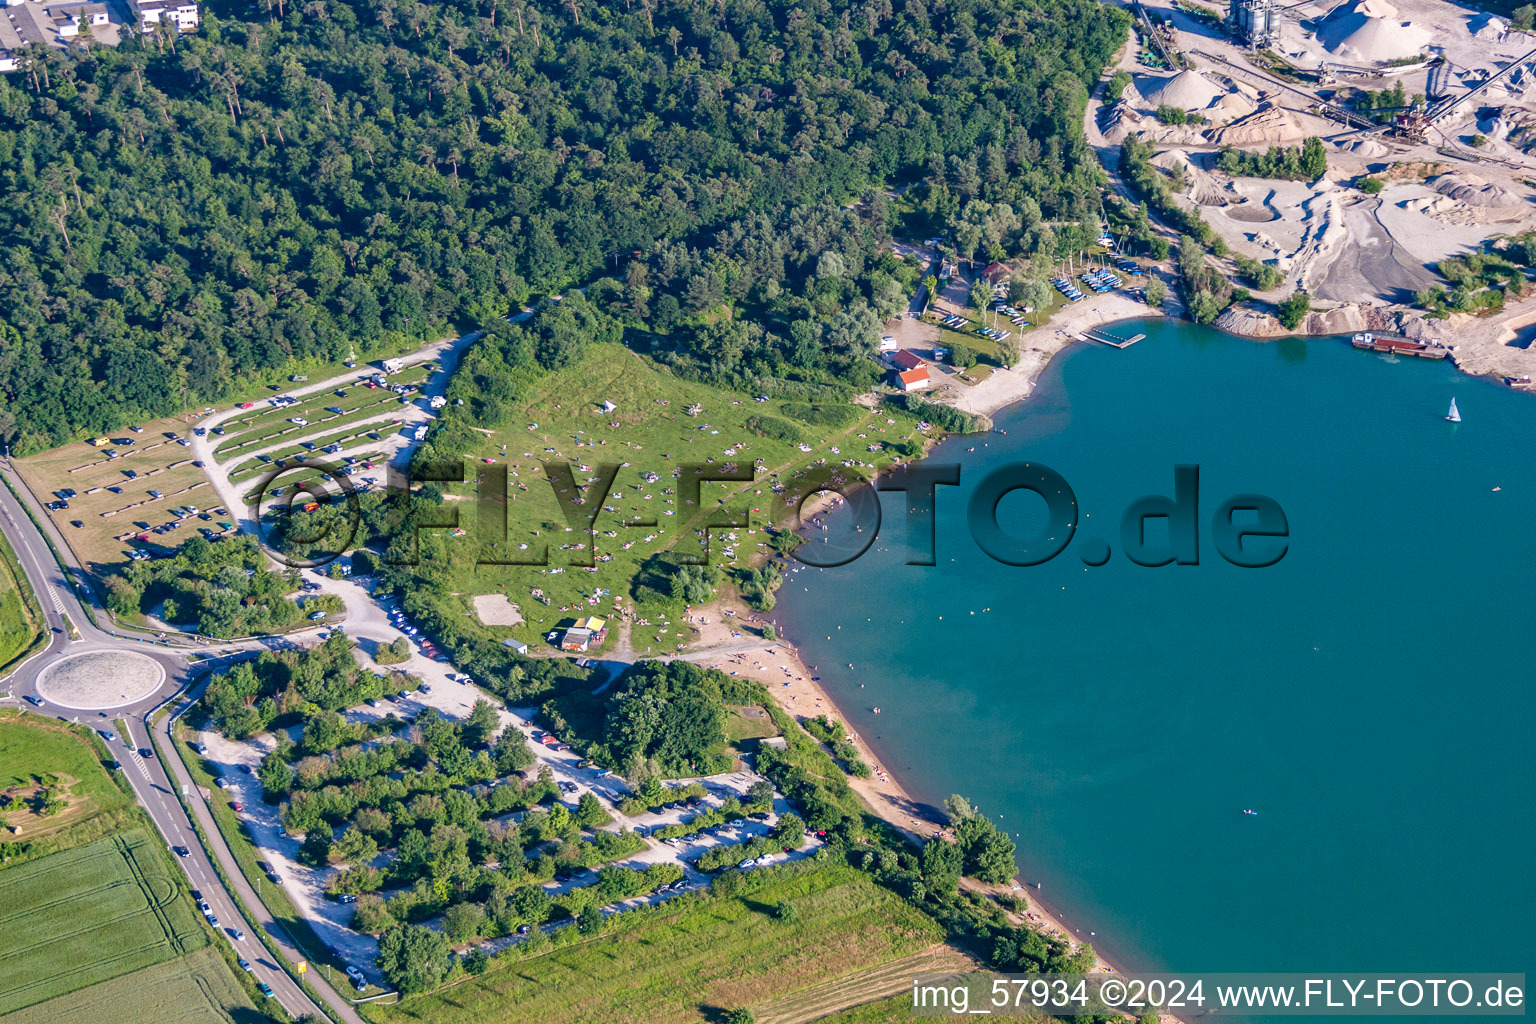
point(1272, 126)
point(1187, 90)
point(1488, 27)
point(1474, 191)
point(1368, 148)
point(1122, 120)
point(1229, 108)
point(1370, 31)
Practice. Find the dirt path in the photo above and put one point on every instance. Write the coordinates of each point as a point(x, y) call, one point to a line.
point(888, 979)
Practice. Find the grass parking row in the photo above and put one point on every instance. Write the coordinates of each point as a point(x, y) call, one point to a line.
point(157, 463)
point(228, 451)
point(359, 397)
point(252, 468)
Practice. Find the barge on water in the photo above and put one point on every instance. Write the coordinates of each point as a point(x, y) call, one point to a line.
point(1399, 346)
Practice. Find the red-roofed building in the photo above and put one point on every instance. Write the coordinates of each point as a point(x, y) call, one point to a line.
point(996, 272)
point(905, 360)
point(914, 380)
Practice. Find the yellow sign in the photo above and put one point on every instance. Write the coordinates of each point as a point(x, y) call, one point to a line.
point(303, 966)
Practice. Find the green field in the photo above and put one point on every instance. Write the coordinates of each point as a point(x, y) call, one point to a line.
point(194, 989)
point(40, 756)
point(20, 624)
point(659, 423)
point(693, 963)
point(73, 919)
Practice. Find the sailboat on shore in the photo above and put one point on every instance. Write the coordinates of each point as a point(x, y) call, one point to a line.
point(1454, 415)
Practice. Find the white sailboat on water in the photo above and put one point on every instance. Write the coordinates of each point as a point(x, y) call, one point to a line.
point(1454, 415)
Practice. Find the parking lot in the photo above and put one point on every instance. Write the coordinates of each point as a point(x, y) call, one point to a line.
point(447, 692)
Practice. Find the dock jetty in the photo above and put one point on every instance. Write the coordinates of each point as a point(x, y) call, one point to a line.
point(1103, 337)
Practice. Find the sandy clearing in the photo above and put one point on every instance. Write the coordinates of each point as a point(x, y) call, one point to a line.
point(496, 610)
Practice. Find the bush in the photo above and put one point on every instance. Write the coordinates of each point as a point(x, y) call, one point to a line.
point(413, 958)
point(1294, 310)
point(1261, 275)
point(821, 415)
point(775, 428)
point(393, 653)
point(1371, 186)
point(463, 921)
point(1172, 115)
point(1306, 162)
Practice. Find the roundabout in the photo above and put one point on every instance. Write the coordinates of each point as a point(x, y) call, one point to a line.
point(100, 680)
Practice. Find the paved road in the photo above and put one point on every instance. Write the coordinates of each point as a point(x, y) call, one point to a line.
point(147, 776)
point(447, 352)
point(64, 596)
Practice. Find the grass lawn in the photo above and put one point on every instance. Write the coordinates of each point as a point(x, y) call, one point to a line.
point(198, 988)
point(692, 962)
point(40, 755)
point(740, 726)
point(651, 431)
point(20, 624)
point(76, 918)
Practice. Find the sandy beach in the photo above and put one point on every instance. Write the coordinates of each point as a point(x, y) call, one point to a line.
point(777, 665)
point(1036, 350)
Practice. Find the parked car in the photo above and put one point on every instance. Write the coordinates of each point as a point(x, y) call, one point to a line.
point(264, 989)
point(354, 973)
point(245, 965)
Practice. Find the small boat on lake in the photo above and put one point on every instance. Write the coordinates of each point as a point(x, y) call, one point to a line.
point(1454, 415)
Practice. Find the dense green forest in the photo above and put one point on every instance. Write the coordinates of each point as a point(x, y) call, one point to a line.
point(339, 177)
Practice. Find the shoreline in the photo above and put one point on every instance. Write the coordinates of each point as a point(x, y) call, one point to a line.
point(778, 664)
point(1480, 347)
point(798, 693)
point(1005, 387)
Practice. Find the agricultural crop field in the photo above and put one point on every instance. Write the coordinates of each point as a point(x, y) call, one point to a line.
point(198, 988)
point(658, 422)
point(696, 961)
point(114, 508)
point(76, 918)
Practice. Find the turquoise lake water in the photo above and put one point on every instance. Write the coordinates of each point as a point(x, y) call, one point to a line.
point(1370, 695)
